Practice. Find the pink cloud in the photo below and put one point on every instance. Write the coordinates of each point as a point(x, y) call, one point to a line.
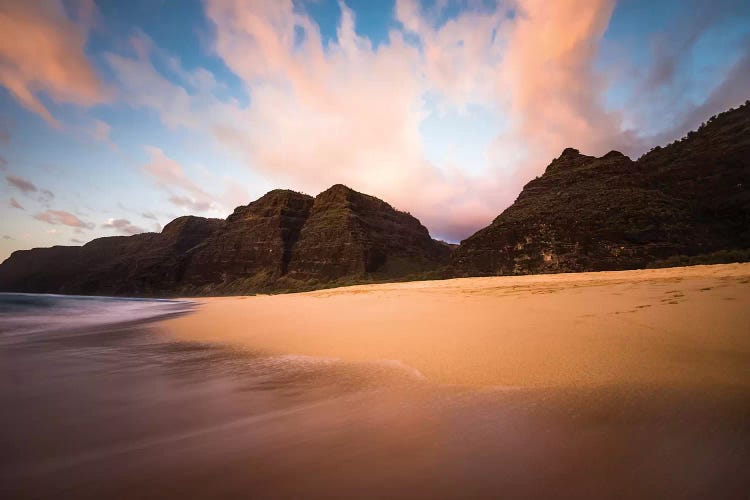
point(460, 56)
point(171, 177)
point(190, 203)
point(167, 172)
point(42, 51)
point(347, 113)
point(28, 188)
point(21, 184)
point(555, 95)
point(15, 204)
point(123, 226)
point(55, 217)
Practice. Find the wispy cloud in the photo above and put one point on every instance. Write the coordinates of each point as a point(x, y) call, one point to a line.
point(15, 204)
point(123, 226)
point(190, 203)
point(171, 177)
point(43, 53)
point(62, 217)
point(21, 184)
point(30, 189)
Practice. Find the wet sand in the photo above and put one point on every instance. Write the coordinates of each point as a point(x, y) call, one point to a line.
point(680, 327)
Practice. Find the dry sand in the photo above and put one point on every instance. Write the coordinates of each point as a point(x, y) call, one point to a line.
point(685, 326)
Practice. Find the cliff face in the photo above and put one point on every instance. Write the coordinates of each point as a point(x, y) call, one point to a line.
point(586, 214)
point(253, 246)
point(283, 241)
point(352, 235)
point(149, 263)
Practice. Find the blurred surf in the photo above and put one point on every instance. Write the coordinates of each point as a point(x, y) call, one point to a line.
point(24, 314)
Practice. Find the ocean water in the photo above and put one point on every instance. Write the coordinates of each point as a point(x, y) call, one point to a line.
point(97, 403)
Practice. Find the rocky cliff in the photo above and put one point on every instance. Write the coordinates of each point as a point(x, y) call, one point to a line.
point(143, 264)
point(284, 241)
point(675, 203)
point(350, 235)
point(253, 247)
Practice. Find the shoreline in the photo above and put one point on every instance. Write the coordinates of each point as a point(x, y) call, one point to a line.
point(672, 326)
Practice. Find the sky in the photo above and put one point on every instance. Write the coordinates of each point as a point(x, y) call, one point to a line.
point(116, 117)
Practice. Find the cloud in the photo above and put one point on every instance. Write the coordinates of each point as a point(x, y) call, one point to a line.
point(123, 226)
point(28, 188)
point(3, 163)
point(171, 177)
point(55, 217)
point(76, 240)
point(21, 184)
point(190, 203)
point(460, 56)
point(42, 52)
point(555, 94)
point(15, 204)
point(185, 99)
point(6, 237)
point(149, 215)
point(347, 110)
point(343, 111)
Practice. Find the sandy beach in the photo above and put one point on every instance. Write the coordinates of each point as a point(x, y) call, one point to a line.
point(602, 385)
point(672, 327)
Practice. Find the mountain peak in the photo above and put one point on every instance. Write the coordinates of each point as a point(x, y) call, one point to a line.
point(569, 158)
point(182, 222)
point(337, 191)
point(680, 201)
point(614, 155)
point(570, 153)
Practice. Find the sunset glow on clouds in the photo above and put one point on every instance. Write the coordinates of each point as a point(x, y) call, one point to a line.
point(123, 117)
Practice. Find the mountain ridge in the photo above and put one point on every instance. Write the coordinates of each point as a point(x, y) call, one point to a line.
point(584, 213)
point(255, 249)
point(687, 202)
